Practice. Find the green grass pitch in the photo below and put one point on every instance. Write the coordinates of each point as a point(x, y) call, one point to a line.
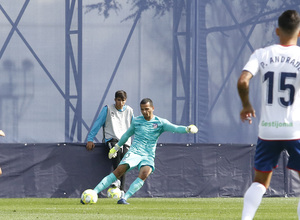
point(144, 208)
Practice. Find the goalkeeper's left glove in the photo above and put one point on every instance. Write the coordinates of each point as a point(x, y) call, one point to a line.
point(113, 151)
point(191, 129)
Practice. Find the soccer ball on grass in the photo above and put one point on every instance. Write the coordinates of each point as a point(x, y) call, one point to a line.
point(89, 196)
point(114, 192)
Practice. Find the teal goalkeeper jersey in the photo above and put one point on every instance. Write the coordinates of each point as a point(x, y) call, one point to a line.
point(146, 134)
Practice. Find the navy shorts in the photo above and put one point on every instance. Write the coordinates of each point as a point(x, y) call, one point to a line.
point(268, 152)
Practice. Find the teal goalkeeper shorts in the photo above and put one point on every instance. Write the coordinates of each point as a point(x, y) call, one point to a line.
point(134, 160)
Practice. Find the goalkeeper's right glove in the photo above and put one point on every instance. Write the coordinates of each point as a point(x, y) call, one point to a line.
point(113, 151)
point(192, 129)
point(2, 133)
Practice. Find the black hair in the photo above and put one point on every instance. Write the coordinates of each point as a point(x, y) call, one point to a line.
point(289, 21)
point(121, 94)
point(146, 100)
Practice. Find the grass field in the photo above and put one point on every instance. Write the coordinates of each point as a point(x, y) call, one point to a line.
point(145, 208)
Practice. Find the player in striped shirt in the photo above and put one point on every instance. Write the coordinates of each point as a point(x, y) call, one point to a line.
point(146, 130)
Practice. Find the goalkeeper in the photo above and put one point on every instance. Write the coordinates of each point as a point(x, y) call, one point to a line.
point(146, 130)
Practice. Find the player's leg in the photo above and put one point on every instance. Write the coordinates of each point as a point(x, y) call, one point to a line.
point(115, 162)
point(122, 178)
point(263, 178)
point(132, 160)
point(144, 172)
point(266, 157)
point(109, 179)
point(293, 148)
point(0, 171)
point(298, 209)
point(254, 194)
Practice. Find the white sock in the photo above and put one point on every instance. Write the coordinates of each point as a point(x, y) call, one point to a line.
point(252, 200)
point(298, 210)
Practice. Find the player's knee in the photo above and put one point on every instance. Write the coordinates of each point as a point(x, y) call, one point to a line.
point(144, 173)
point(120, 171)
point(143, 176)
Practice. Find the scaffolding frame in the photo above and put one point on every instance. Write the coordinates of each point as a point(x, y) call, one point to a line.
point(73, 66)
point(73, 70)
point(74, 122)
point(182, 60)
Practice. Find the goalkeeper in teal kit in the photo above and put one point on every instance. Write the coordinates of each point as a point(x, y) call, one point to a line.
point(146, 130)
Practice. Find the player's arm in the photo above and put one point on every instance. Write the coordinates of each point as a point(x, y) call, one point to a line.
point(243, 89)
point(126, 135)
point(113, 151)
point(96, 127)
point(168, 126)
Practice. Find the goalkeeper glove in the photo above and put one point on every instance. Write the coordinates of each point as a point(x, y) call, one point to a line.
point(113, 151)
point(2, 133)
point(192, 129)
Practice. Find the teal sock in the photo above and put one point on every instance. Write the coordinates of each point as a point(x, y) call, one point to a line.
point(134, 187)
point(105, 182)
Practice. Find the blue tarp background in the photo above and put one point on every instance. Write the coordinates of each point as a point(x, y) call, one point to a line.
point(192, 170)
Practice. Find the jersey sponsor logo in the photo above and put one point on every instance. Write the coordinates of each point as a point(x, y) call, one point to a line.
point(276, 124)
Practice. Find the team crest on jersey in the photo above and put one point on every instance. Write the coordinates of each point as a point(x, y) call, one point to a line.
point(155, 125)
point(112, 114)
